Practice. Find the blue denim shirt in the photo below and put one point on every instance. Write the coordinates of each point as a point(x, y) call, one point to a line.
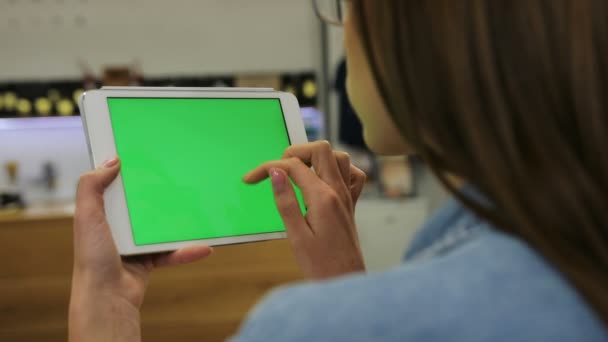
point(462, 281)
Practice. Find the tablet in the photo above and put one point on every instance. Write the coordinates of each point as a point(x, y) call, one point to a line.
point(183, 154)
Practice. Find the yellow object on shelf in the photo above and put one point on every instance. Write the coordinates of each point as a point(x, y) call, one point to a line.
point(309, 89)
point(53, 95)
point(24, 107)
point(65, 107)
point(43, 106)
point(10, 100)
point(76, 94)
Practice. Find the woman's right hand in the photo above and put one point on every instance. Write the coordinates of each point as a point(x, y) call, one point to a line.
point(324, 240)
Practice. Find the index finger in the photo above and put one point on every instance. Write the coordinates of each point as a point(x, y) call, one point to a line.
point(320, 155)
point(301, 175)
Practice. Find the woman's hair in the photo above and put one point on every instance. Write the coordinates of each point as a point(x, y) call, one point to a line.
point(512, 96)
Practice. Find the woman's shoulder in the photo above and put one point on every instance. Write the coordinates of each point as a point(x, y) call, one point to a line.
point(488, 286)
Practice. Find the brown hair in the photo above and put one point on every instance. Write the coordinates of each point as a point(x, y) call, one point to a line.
point(510, 95)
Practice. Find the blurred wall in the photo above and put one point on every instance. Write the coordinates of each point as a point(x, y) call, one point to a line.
point(46, 38)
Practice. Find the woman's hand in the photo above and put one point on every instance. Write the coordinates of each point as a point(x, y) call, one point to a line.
point(107, 290)
point(325, 240)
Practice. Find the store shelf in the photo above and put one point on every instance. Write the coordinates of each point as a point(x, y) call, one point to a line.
point(48, 211)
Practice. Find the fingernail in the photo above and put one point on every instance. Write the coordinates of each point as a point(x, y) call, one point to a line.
point(110, 162)
point(278, 180)
point(246, 176)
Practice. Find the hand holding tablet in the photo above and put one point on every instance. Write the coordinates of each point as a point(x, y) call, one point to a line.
point(183, 154)
point(323, 238)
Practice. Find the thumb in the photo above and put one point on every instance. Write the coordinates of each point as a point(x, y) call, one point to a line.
point(89, 197)
point(93, 242)
point(288, 205)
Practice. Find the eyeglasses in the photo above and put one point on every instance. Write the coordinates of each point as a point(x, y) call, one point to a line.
point(331, 11)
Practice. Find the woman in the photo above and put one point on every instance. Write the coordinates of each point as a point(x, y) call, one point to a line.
point(505, 101)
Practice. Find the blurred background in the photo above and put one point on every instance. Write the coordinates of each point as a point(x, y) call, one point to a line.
point(53, 50)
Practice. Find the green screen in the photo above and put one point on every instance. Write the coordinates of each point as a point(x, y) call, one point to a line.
point(183, 161)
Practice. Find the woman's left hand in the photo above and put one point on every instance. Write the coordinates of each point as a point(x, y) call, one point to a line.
point(107, 289)
point(324, 239)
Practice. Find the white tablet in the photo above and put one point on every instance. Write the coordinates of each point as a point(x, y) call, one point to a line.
point(183, 154)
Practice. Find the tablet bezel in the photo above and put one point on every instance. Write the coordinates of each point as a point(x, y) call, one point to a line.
point(100, 138)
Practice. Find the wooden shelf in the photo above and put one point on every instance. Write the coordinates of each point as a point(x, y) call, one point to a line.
point(205, 301)
point(51, 211)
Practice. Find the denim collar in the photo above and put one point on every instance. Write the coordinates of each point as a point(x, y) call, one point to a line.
point(448, 227)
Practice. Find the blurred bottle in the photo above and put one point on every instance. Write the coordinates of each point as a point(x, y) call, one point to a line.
point(136, 74)
point(11, 197)
point(116, 76)
point(12, 171)
point(89, 81)
point(49, 176)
